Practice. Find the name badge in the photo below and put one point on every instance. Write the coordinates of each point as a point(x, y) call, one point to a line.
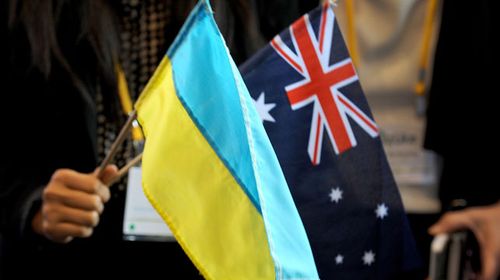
point(415, 169)
point(141, 221)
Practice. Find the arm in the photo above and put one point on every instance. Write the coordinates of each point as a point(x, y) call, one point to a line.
point(484, 222)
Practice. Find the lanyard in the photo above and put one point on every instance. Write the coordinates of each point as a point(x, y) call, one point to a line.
point(425, 48)
point(423, 65)
point(126, 103)
point(352, 42)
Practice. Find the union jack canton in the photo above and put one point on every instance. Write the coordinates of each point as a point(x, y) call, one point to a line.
point(321, 85)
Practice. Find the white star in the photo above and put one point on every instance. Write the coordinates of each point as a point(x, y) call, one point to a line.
point(369, 258)
point(264, 108)
point(336, 195)
point(339, 259)
point(381, 211)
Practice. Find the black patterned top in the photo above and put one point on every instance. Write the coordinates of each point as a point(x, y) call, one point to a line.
point(143, 29)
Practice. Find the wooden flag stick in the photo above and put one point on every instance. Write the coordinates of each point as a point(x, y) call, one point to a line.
point(125, 169)
point(118, 141)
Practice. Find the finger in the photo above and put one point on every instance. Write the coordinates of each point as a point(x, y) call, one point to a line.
point(64, 232)
point(489, 263)
point(109, 172)
point(57, 213)
point(451, 222)
point(75, 199)
point(104, 193)
point(77, 181)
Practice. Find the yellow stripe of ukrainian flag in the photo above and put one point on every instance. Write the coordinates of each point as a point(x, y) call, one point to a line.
point(209, 213)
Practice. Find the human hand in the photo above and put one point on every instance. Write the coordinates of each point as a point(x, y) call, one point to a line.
point(484, 222)
point(72, 204)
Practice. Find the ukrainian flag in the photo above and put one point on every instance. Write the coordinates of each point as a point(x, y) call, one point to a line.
point(209, 168)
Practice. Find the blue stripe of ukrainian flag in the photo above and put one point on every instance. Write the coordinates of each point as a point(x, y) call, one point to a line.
point(209, 168)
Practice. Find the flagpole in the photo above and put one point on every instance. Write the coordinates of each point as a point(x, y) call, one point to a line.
point(125, 169)
point(116, 144)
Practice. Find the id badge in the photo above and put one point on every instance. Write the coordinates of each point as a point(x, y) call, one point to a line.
point(403, 137)
point(415, 169)
point(141, 221)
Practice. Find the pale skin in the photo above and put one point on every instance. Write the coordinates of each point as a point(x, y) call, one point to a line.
point(484, 222)
point(72, 204)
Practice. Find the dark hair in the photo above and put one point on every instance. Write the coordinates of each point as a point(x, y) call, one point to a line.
point(45, 22)
point(39, 20)
point(237, 22)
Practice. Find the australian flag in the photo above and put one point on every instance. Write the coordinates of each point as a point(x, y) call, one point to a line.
point(309, 97)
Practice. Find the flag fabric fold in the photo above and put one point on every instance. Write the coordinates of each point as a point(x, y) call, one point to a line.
point(308, 95)
point(209, 168)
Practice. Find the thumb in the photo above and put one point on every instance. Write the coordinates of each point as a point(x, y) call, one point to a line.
point(109, 172)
